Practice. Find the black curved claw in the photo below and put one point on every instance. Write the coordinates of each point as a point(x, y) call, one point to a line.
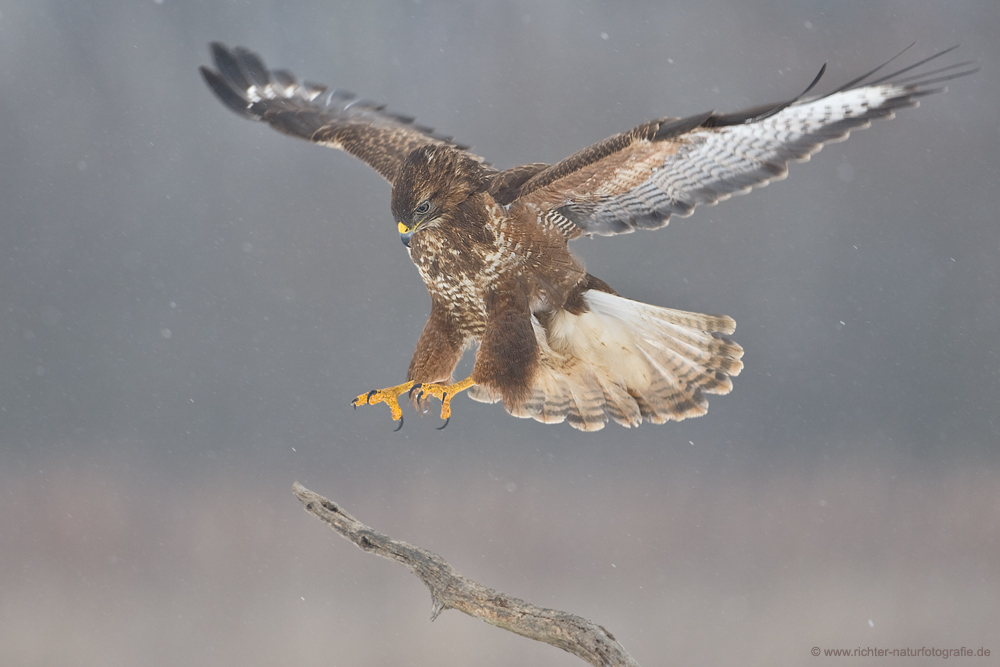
point(400, 425)
point(413, 389)
point(441, 427)
point(368, 398)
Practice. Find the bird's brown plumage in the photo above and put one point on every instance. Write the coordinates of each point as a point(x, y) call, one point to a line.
point(556, 343)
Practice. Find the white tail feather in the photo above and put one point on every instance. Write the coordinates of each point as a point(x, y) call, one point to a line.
point(626, 361)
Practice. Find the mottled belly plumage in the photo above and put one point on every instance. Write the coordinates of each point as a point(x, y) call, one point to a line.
point(456, 279)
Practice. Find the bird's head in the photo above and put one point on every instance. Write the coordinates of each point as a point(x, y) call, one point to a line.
point(431, 183)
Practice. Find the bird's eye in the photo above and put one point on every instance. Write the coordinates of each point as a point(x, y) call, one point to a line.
point(422, 208)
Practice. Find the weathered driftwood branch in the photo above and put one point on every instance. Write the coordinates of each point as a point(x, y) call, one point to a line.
point(450, 590)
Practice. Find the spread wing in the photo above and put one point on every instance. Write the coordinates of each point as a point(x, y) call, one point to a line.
point(337, 119)
point(666, 167)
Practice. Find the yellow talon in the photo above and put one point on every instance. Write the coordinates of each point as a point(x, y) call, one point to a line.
point(446, 393)
point(389, 396)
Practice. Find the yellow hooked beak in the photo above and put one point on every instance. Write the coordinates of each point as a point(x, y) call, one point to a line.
point(405, 234)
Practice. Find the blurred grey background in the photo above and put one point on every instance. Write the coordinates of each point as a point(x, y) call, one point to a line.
point(188, 301)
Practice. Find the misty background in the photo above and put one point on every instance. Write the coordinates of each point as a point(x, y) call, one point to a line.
point(188, 302)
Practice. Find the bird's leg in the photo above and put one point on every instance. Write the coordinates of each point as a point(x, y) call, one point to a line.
point(445, 393)
point(389, 396)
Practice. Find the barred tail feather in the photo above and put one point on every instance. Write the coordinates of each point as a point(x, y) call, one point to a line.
point(627, 361)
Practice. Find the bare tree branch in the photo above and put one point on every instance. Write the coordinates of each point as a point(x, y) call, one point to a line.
point(450, 590)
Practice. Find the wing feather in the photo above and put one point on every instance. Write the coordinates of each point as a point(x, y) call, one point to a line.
point(639, 179)
point(337, 119)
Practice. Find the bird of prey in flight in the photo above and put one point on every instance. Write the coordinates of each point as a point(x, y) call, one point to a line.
point(554, 342)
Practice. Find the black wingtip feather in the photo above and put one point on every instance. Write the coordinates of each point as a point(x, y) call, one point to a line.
point(229, 68)
point(916, 81)
point(781, 107)
point(857, 80)
point(283, 77)
point(678, 127)
point(252, 67)
point(908, 68)
point(225, 92)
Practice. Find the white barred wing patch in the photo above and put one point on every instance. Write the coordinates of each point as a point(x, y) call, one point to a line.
point(714, 163)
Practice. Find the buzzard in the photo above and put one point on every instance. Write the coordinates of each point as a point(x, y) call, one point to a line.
point(556, 343)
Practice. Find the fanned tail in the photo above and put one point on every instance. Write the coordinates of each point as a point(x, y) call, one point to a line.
point(627, 361)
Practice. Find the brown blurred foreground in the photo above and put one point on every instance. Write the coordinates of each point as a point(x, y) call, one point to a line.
point(99, 568)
